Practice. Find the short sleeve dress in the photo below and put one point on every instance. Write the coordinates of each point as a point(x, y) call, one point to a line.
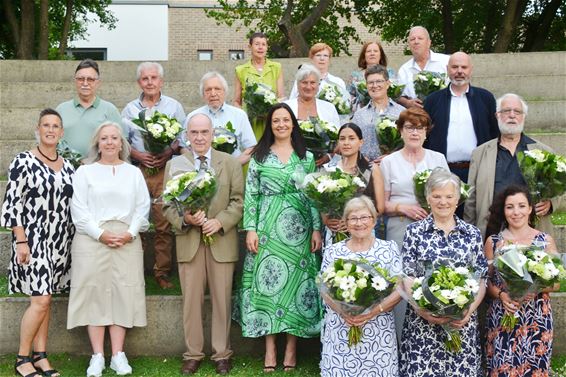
point(39, 199)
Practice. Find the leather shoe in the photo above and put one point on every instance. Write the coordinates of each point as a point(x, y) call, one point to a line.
point(164, 282)
point(223, 366)
point(190, 366)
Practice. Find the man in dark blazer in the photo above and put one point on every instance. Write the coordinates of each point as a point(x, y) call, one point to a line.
point(463, 116)
point(201, 264)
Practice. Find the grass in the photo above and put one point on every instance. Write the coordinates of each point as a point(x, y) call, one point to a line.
point(559, 218)
point(75, 366)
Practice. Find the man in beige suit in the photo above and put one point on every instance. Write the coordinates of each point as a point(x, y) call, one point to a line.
point(200, 264)
point(494, 165)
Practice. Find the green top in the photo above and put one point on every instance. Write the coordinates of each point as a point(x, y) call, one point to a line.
point(268, 76)
point(80, 123)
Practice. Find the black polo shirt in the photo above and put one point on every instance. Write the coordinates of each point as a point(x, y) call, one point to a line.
point(507, 169)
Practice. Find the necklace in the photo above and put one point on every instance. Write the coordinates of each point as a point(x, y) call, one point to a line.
point(49, 159)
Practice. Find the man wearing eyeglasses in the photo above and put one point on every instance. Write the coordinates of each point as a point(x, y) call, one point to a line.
point(463, 117)
point(83, 114)
point(494, 166)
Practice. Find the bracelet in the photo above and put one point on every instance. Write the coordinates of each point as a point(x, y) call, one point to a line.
point(380, 308)
point(21, 242)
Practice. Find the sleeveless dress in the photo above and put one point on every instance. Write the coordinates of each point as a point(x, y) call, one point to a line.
point(527, 349)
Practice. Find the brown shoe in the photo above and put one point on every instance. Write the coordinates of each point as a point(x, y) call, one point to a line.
point(223, 366)
point(190, 366)
point(164, 281)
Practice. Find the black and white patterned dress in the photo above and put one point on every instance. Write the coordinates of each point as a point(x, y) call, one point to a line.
point(39, 199)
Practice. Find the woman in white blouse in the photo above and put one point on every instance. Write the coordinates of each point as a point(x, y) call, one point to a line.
point(110, 206)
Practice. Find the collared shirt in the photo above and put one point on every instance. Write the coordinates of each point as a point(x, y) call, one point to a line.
point(80, 123)
point(436, 63)
point(461, 139)
point(166, 105)
point(366, 118)
point(208, 156)
point(507, 169)
point(228, 113)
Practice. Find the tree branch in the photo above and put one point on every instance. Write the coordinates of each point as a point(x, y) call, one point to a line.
point(66, 27)
point(308, 23)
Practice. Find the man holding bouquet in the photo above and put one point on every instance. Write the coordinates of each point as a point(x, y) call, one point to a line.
point(150, 80)
point(211, 262)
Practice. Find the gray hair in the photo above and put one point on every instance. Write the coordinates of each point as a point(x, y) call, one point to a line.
point(511, 95)
point(210, 75)
point(376, 69)
point(440, 177)
point(359, 203)
point(149, 65)
point(305, 71)
point(188, 122)
point(418, 27)
point(94, 152)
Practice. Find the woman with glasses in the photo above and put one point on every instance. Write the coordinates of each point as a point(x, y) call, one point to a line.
point(376, 353)
point(37, 208)
point(381, 105)
point(398, 169)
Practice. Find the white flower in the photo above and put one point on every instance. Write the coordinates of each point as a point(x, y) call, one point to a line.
point(378, 283)
point(561, 166)
point(448, 293)
point(422, 77)
point(538, 255)
point(329, 95)
point(348, 267)
point(418, 293)
point(434, 288)
point(461, 300)
point(358, 182)
point(471, 286)
point(550, 271)
point(347, 283)
point(362, 283)
point(462, 270)
point(536, 154)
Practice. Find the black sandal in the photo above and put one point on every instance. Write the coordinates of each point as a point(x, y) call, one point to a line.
point(48, 373)
point(289, 368)
point(269, 369)
point(21, 360)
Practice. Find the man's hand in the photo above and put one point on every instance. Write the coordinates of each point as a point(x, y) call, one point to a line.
point(543, 208)
point(196, 219)
point(211, 226)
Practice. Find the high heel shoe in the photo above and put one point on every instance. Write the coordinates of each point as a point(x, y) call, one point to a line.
point(47, 373)
point(21, 360)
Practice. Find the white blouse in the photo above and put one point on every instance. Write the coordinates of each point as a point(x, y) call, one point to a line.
point(109, 192)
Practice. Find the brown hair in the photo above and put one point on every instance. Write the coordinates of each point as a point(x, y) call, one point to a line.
point(362, 58)
point(415, 116)
point(317, 47)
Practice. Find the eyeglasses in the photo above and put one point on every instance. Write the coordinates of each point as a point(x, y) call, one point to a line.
point(509, 111)
point(89, 80)
point(362, 219)
point(412, 128)
point(376, 82)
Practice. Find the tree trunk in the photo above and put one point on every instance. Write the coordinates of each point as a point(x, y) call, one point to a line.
point(490, 27)
point(43, 50)
point(66, 28)
point(513, 11)
point(537, 32)
point(448, 26)
point(12, 21)
point(27, 30)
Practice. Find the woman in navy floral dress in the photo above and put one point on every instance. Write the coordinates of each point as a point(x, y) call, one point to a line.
point(527, 348)
point(441, 238)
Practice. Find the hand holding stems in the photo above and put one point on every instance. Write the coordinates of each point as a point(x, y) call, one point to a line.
point(543, 208)
point(335, 225)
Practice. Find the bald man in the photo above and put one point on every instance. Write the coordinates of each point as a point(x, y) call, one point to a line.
point(463, 116)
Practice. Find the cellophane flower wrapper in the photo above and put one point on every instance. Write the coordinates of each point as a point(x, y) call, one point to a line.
point(69, 154)
point(427, 82)
point(354, 287)
point(395, 90)
point(443, 291)
point(419, 183)
point(189, 189)
point(544, 172)
point(320, 136)
point(258, 98)
point(331, 93)
point(225, 139)
point(388, 136)
point(359, 89)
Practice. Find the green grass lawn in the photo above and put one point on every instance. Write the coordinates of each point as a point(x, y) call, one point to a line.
point(559, 218)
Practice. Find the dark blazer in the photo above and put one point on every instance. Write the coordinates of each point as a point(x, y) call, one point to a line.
point(482, 110)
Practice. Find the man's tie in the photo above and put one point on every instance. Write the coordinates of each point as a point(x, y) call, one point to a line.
point(203, 163)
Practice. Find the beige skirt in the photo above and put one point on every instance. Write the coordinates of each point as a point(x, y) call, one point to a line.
point(107, 284)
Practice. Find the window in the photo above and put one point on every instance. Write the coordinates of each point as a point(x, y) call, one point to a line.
point(236, 54)
point(85, 53)
point(204, 54)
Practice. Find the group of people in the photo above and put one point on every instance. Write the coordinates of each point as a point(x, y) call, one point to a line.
point(79, 230)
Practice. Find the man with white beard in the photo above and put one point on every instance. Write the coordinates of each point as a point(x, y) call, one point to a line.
point(494, 165)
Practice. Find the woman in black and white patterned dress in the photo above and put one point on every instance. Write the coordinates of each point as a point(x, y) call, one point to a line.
point(37, 209)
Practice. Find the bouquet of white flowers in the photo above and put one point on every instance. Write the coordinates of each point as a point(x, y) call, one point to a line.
point(359, 89)
point(444, 292)
point(419, 181)
point(427, 82)
point(320, 136)
point(158, 131)
point(258, 99)
point(544, 172)
point(331, 93)
point(224, 139)
point(355, 287)
point(388, 135)
point(395, 90)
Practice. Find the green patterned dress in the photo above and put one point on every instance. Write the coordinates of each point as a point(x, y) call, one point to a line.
point(278, 292)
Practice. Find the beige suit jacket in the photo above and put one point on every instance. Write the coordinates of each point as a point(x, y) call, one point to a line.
point(226, 207)
point(482, 178)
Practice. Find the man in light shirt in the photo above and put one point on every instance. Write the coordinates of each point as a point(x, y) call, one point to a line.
point(424, 59)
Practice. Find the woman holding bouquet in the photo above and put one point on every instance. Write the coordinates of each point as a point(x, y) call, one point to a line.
point(110, 207)
point(261, 70)
point(376, 353)
point(442, 239)
point(526, 349)
point(37, 208)
point(379, 106)
point(279, 293)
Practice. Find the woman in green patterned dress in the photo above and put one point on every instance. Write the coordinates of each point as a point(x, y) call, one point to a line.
point(258, 69)
point(278, 293)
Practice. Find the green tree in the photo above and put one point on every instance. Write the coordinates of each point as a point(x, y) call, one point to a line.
point(41, 29)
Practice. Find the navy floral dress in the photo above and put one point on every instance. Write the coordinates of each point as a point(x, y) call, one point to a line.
point(423, 353)
point(526, 350)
